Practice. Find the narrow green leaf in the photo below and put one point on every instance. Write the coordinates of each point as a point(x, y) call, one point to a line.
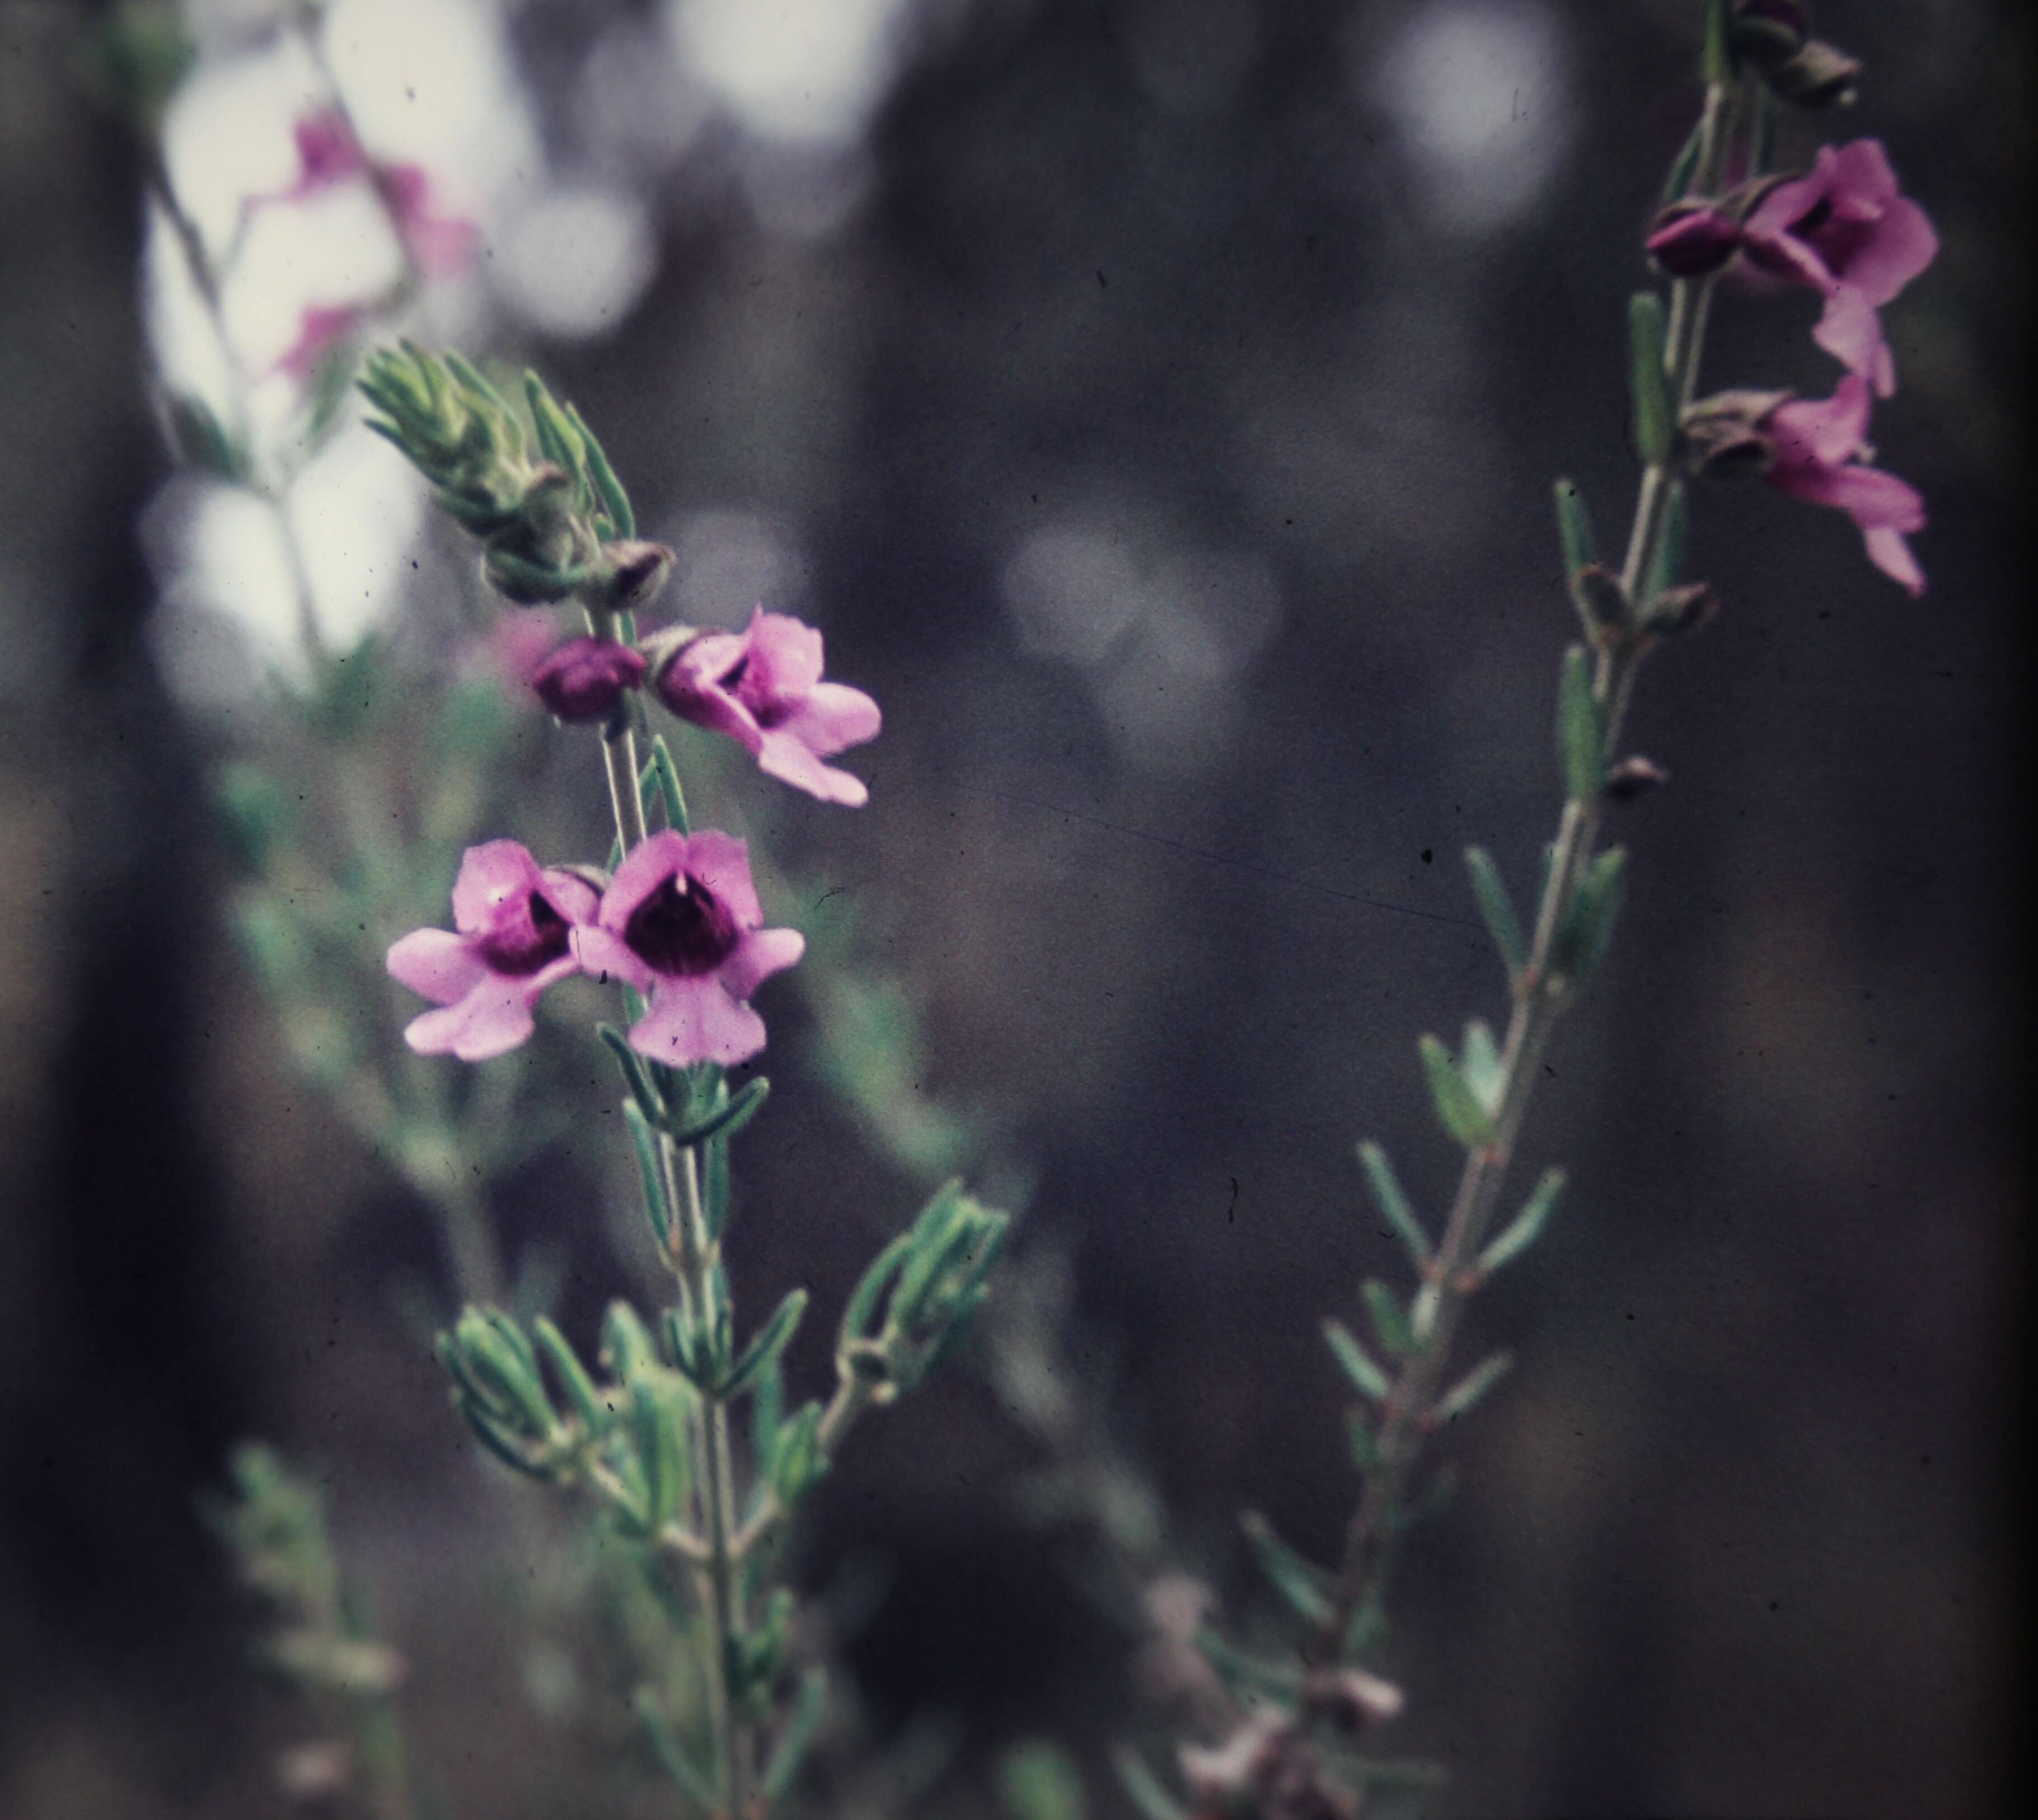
point(1367, 1378)
point(1472, 1388)
point(1365, 1453)
point(1764, 159)
point(488, 1430)
point(1390, 1320)
point(1526, 1226)
point(661, 773)
point(698, 1786)
point(658, 1425)
point(1498, 908)
point(607, 489)
point(1683, 169)
point(1247, 1675)
point(1458, 1109)
point(714, 1178)
point(1581, 729)
point(1648, 383)
point(571, 1376)
point(558, 440)
point(1394, 1205)
point(1143, 1787)
point(765, 1344)
point(1574, 528)
point(634, 1075)
point(651, 1171)
point(790, 1751)
point(1668, 565)
point(726, 1119)
point(1306, 1588)
point(798, 1462)
point(871, 1286)
point(1595, 910)
point(626, 1350)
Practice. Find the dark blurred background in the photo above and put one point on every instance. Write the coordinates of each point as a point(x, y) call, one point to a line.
point(1157, 401)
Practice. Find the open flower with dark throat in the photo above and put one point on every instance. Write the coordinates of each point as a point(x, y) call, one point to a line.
point(681, 922)
point(1846, 230)
point(762, 687)
point(512, 920)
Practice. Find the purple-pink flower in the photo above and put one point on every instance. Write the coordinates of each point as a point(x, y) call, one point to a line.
point(1821, 450)
point(1846, 230)
point(680, 921)
point(510, 940)
point(762, 687)
point(586, 677)
point(321, 327)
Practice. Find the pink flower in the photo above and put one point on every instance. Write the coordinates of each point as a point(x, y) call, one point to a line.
point(508, 654)
point(681, 921)
point(1821, 456)
point(584, 677)
point(1846, 230)
point(327, 154)
point(762, 687)
point(1691, 239)
point(513, 921)
point(439, 245)
point(321, 327)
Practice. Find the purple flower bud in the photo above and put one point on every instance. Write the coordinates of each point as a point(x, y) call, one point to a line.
point(584, 677)
point(1689, 240)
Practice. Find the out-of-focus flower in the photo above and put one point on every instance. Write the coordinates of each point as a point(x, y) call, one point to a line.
point(1846, 230)
point(329, 153)
point(510, 940)
point(439, 245)
point(1267, 1767)
point(681, 921)
point(1821, 455)
point(586, 677)
point(762, 687)
point(1691, 239)
point(321, 327)
point(508, 654)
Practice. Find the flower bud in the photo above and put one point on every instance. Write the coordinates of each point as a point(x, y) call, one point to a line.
point(1820, 75)
point(1725, 436)
point(1678, 611)
point(584, 677)
point(1602, 602)
point(1688, 240)
point(1632, 778)
point(639, 571)
point(1768, 32)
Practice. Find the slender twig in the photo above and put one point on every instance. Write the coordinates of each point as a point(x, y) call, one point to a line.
point(1540, 998)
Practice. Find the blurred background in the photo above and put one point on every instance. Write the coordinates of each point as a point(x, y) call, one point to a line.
point(1156, 402)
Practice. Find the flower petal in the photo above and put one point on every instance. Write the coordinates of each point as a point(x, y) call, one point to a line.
point(645, 867)
point(1851, 332)
point(696, 1020)
point(791, 762)
point(831, 717)
point(575, 899)
point(1889, 553)
point(604, 955)
point(436, 963)
point(721, 862)
point(491, 876)
point(785, 656)
point(760, 955)
point(491, 1020)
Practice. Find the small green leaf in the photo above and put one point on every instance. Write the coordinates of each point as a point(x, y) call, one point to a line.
point(626, 1350)
point(634, 1075)
point(651, 1171)
point(1143, 1787)
point(1648, 383)
point(661, 773)
point(1390, 1325)
point(1365, 1453)
point(1498, 908)
point(1472, 1388)
point(1581, 729)
point(696, 1783)
point(657, 1420)
point(1359, 1365)
point(571, 1376)
point(798, 1462)
point(607, 489)
point(1526, 1226)
point(1668, 564)
point(765, 1344)
point(790, 1751)
point(1764, 161)
point(1457, 1106)
point(1574, 528)
point(1246, 1674)
point(727, 1118)
point(871, 1286)
point(1479, 1064)
point(494, 1436)
point(1306, 1588)
point(1677, 185)
point(1393, 1204)
point(1595, 909)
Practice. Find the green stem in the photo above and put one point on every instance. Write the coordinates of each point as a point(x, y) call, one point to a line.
point(1540, 998)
